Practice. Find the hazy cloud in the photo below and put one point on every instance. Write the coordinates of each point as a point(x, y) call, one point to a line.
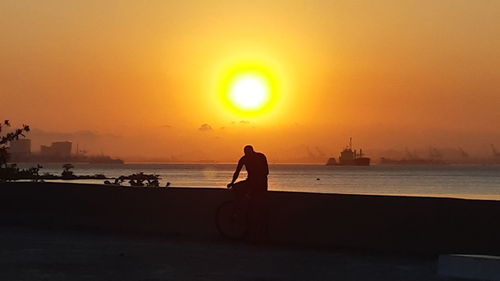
point(85, 134)
point(205, 128)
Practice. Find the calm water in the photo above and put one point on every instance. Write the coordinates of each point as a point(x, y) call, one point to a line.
point(449, 181)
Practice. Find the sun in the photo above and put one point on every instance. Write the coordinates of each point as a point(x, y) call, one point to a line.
point(249, 92)
point(248, 89)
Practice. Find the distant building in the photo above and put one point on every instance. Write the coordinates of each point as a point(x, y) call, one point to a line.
point(45, 150)
point(61, 149)
point(20, 149)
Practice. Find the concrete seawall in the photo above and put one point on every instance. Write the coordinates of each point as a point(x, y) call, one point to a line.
point(386, 223)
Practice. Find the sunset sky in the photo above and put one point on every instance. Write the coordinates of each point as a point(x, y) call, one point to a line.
point(145, 80)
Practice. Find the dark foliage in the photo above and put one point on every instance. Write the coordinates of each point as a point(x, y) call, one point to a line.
point(67, 173)
point(10, 172)
point(138, 180)
point(4, 140)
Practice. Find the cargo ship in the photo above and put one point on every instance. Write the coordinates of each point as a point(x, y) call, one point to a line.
point(349, 157)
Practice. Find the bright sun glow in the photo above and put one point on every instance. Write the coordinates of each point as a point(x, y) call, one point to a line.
point(249, 92)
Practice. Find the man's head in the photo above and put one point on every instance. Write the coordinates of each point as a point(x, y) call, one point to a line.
point(248, 150)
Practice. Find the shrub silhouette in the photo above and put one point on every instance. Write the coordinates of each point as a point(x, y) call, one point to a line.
point(138, 180)
point(67, 173)
point(10, 172)
point(14, 135)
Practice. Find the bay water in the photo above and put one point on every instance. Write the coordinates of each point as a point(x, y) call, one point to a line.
point(474, 182)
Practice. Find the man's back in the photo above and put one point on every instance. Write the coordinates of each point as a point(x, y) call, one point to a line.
point(257, 169)
point(256, 165)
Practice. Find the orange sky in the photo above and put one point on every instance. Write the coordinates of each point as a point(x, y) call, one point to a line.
point(142, 77)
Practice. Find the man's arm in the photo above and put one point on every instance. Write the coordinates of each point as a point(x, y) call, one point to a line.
point(237, 172)
point(266, 167)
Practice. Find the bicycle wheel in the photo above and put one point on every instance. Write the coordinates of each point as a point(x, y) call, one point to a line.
point(231, 221)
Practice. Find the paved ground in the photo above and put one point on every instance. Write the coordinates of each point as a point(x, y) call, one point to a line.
point(34, 254)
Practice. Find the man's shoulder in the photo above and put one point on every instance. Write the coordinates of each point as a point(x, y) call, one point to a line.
point(251, 158)
point(261, 155)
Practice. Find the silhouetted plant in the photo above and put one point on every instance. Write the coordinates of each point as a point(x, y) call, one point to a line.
point(14, 135)
point(138, 180)
point(34, 173)
point(67, 173)
point(10, 172)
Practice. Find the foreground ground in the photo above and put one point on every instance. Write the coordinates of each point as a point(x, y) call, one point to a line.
point(35, 254)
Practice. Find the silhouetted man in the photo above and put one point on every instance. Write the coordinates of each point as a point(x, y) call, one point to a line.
point(256, 187)
point(256, 165)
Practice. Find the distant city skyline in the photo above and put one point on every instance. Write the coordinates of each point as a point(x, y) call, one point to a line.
point(63, 148)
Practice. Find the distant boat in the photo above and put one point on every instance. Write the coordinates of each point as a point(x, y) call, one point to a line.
point(104, 159)
point(349, 157)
